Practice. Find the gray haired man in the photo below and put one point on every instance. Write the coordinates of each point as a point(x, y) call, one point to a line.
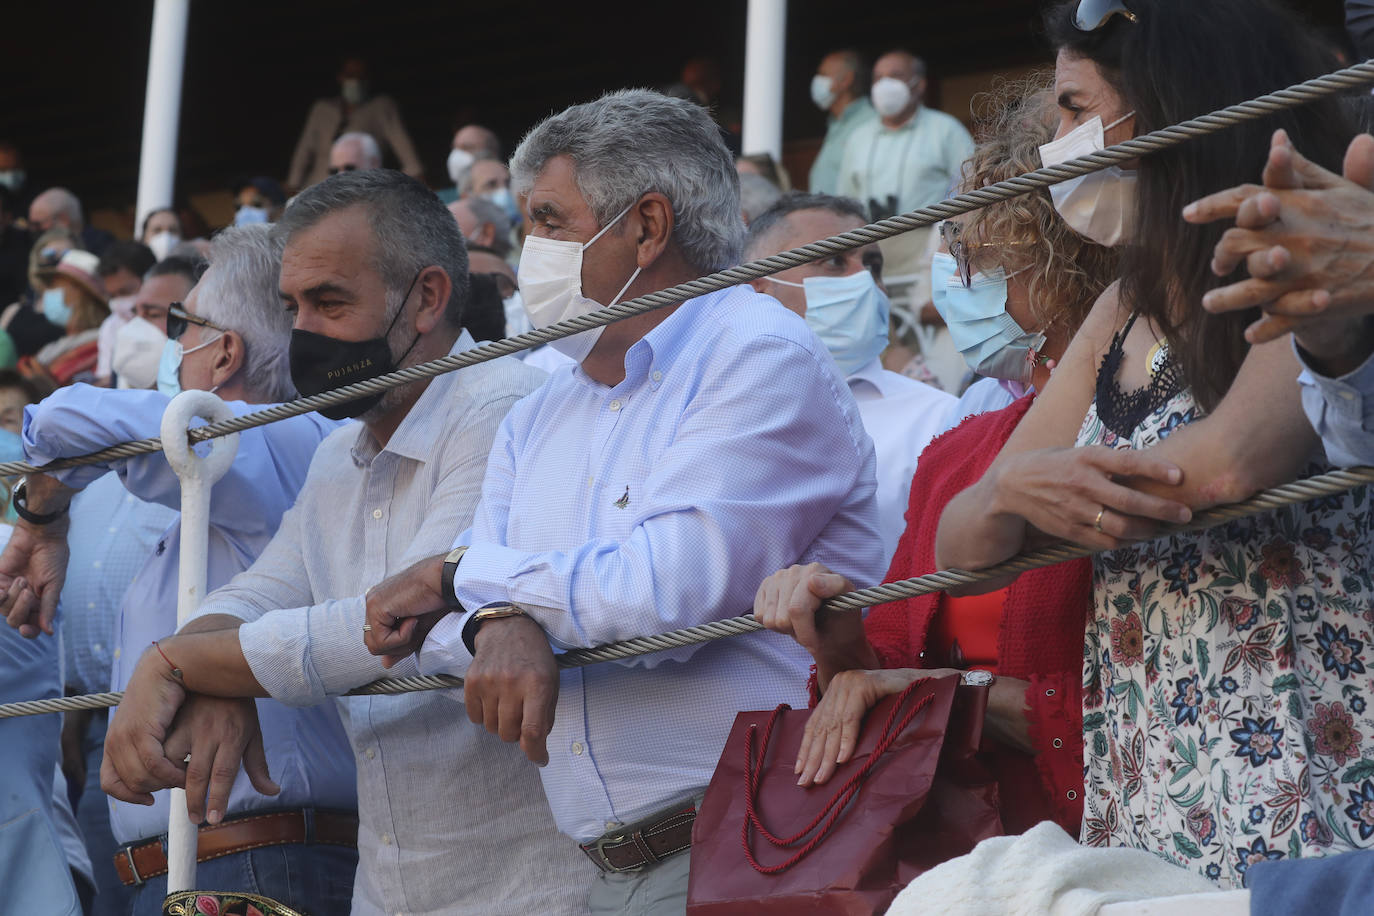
point(650, 484)
point(296, 836)
point(374, 273)
point(354, 152)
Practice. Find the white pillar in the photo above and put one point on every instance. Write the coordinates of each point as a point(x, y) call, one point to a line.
point(764, 54)
point(197, 475)
point(157, 165)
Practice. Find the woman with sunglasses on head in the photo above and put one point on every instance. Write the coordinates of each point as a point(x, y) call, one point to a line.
point(1225, 694)
point(1031, 281)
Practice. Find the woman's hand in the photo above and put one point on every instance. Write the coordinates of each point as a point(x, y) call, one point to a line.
point(789, 602)
point(1074, 494)
point(832, 732)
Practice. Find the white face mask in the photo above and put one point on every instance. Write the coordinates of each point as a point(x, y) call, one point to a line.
point(459, 161)
point(550, 281)
point(889, 96)
point(1099, 206)
point(162, 243)
point(137, 353)
point(822, 92)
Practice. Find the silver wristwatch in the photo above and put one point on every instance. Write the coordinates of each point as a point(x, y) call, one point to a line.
point(977, 679)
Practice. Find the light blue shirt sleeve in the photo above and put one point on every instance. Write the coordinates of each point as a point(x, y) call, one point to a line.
point(719, 512)
point(1341, 410)
point(247, 501)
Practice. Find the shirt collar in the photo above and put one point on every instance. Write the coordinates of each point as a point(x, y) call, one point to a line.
point(874, 374)
point(656, 350)
point(417, 436)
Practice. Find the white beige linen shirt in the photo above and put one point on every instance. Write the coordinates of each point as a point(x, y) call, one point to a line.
point(451, 820)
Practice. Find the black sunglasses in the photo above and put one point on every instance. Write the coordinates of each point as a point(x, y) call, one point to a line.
point(178, 319)
point(1094, 14)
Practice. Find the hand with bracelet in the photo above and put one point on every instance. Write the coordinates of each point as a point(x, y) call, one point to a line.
point(33, 566)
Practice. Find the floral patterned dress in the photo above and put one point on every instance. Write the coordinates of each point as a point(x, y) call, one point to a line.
point(1227, 682)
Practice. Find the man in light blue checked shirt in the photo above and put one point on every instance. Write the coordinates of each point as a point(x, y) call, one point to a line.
point(650, 486)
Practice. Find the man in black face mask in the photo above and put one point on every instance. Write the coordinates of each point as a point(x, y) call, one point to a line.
point(374, 271)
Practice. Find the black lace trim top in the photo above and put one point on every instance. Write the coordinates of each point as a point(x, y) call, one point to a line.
point(1123, 411)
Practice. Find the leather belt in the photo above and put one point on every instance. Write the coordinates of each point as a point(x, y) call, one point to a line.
point(646, 843)
point(138, 862)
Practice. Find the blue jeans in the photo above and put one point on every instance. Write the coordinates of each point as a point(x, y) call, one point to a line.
point(112, 898)
point(311, 879)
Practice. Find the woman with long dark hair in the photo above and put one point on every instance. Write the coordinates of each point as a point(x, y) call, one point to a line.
point(1225, 695)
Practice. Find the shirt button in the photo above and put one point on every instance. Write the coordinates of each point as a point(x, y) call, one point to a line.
point(96, 564)
point(386, 839)
point(113, 530)
point(657, 376)
point(90, 605)
point(577, 748)
point(117, 653)
point(612, 825)
point(1348, 395)
point(376, 513)
point(370, 753)
point(1057, 743)
point(616, 405)
point(98, 647)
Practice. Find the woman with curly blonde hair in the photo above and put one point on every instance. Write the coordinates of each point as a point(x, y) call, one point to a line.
point(1052, 275)
point(1019, 284)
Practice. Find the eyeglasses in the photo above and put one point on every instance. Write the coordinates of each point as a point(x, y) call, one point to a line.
point(178, 320)
point(335, 169)
point(1094, 14)
point(959, 250)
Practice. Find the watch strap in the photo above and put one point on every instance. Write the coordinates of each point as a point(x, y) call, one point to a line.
point(17, 498)
point(446, 590)
point(481, 616)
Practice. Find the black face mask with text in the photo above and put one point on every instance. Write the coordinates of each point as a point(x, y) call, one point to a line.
point(320, 363)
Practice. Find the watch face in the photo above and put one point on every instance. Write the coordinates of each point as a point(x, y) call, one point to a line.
point(978, 678)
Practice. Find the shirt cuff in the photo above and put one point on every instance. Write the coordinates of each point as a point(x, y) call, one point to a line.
point(1344, 395)
point(444, 651)
point(302, 656)
point(485, 573)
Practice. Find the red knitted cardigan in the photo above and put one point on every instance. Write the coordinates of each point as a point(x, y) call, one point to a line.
point(1043, 622)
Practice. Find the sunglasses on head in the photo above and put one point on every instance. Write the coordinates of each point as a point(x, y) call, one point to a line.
point(1094, 14)
point(178, 320)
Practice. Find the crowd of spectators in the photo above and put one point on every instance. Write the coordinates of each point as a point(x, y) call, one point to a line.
point(1088, 363)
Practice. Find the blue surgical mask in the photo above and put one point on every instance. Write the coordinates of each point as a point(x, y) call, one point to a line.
point(850, 316)
point(504, 199)
point(55, 307)
point(169, 367)
point(11, 447)
point(250, 216)
point(991, 341)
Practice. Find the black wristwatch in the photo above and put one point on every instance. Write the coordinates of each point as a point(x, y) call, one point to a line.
point(33, 518)
point(455, 556)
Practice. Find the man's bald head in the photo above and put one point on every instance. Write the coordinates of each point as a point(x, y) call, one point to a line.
point(478, 140)
point(56, 207)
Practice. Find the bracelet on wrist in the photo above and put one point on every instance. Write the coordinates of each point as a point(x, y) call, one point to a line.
point(176, 672)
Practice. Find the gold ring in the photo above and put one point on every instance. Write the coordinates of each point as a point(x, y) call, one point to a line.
point(367, 627)
point(1097, 522)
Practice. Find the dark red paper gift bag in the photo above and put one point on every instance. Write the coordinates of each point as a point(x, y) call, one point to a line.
point(912, 796)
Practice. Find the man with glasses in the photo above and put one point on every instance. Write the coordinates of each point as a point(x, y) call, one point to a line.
point(297, 838)
point(354, 152)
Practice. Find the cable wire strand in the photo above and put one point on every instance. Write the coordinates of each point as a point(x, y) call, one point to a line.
point(1354, 77)
point(1288, 494)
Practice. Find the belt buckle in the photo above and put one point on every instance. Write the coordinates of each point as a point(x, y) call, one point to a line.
point(599, 847)
point(133, 869)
